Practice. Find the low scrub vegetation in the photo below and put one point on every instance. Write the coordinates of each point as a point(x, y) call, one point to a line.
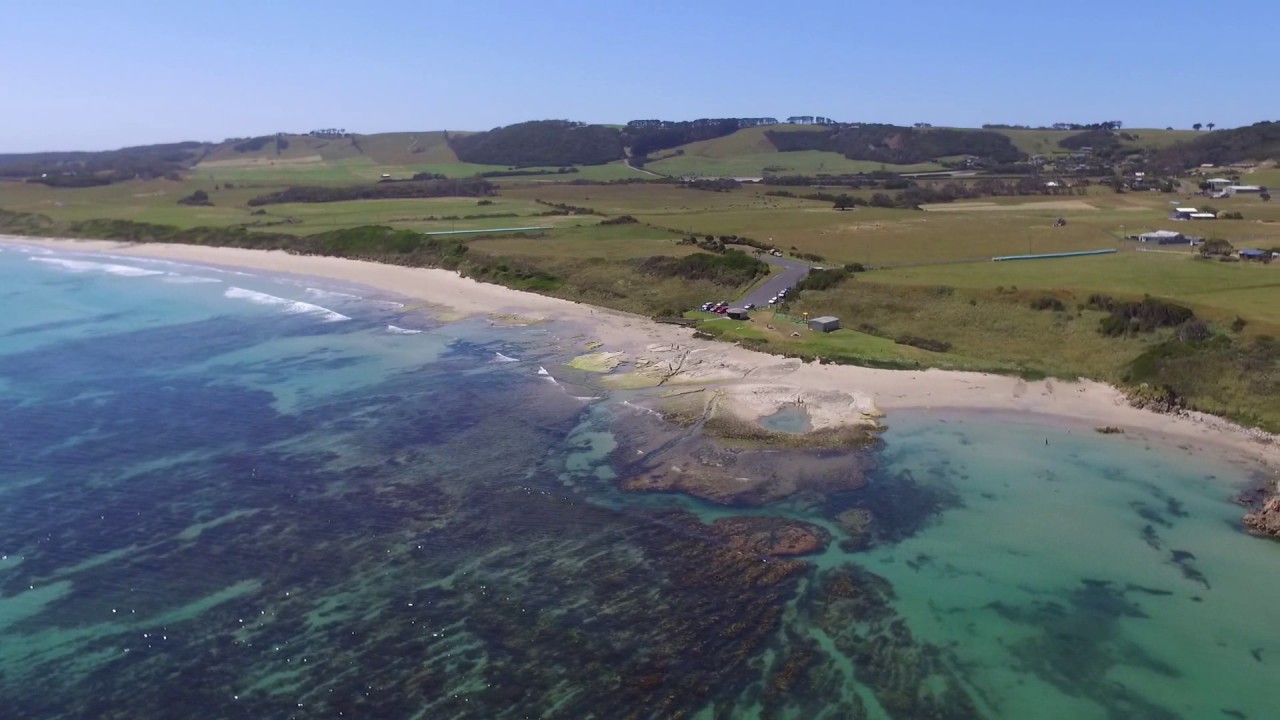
point(199, 197)
point(731, 268)
point(1131, 318)
point(378, 191)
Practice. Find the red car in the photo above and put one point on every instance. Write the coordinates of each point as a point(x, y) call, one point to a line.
point(722, 310)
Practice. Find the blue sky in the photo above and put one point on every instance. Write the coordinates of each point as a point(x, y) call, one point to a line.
point(76, 74)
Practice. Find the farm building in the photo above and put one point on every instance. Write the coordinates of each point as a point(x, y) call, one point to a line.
point(1255, 255)
point(737, 314)
point(1202, 216)
point(1244, 189)
point(1218, 183)
point(1182, 213)
point(826, 323)
point(1163, 237)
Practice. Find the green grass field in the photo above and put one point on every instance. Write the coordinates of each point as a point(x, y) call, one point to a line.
point(807, 162)
point(589, 240)
point(845, 345)
point(1220, 290)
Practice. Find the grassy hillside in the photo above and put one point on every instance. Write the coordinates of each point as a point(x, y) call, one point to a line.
point(1045, 142)
point(1260, 141)
point(804, 162)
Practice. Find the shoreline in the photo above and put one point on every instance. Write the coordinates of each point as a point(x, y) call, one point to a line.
point(756, 383)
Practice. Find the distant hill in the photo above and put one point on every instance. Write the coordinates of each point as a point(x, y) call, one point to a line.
point(398, 148)
point(644, 137)
point(1260, 141)
point(734, 147)
point(1042, 141)
point(750, 153)
point(82, 169)
point(541, 143)
point(901, 145)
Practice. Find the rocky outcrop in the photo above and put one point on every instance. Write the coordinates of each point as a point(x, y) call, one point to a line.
point(1265, 522)
point(857, 524)
point(771, 535)
point(1160, 399)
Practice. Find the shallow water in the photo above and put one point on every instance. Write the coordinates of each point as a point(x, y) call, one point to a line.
point(270, 503)
point(792, 419)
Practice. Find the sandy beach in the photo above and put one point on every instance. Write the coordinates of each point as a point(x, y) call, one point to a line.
point(753, 384)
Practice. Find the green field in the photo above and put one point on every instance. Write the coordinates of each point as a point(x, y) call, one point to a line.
point(807, 162)
point(611, 242)
point(1216, 289)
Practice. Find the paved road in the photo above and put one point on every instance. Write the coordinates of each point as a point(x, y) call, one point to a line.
point(793, 271)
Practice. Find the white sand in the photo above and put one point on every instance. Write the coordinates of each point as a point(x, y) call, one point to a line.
point(758, 382)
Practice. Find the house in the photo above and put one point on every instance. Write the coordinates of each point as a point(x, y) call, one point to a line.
point(1163, 237)
point(1251, 254)
point(737, 314)
point(1218, 183)
point(1182, 213)
point(825, 324)
point(1244, 189)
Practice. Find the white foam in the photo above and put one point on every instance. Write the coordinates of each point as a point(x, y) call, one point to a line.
point(82, 266)
point(505, 358)
point(179, 279)
point(29, 250)
point(294, 307)
point(401, 331)
point(331, 294)
point(542, 371)
point(589, 398)
point(641, 408)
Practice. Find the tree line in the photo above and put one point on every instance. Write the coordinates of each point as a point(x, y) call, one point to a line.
point(540, 142)
point(1260, 141)
point(896, 144)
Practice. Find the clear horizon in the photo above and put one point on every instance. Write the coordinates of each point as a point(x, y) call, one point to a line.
point(95, 78)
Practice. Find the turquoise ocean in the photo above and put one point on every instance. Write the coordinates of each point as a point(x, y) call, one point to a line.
point(237, 495)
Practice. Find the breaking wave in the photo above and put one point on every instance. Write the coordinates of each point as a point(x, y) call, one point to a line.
point(81, 266)
point(394, 330)
point(290, 306)
point(178, 279)
point(331, 294)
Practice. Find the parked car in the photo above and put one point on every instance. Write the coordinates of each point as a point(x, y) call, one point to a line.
point(722, 310)
point(749, 306)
